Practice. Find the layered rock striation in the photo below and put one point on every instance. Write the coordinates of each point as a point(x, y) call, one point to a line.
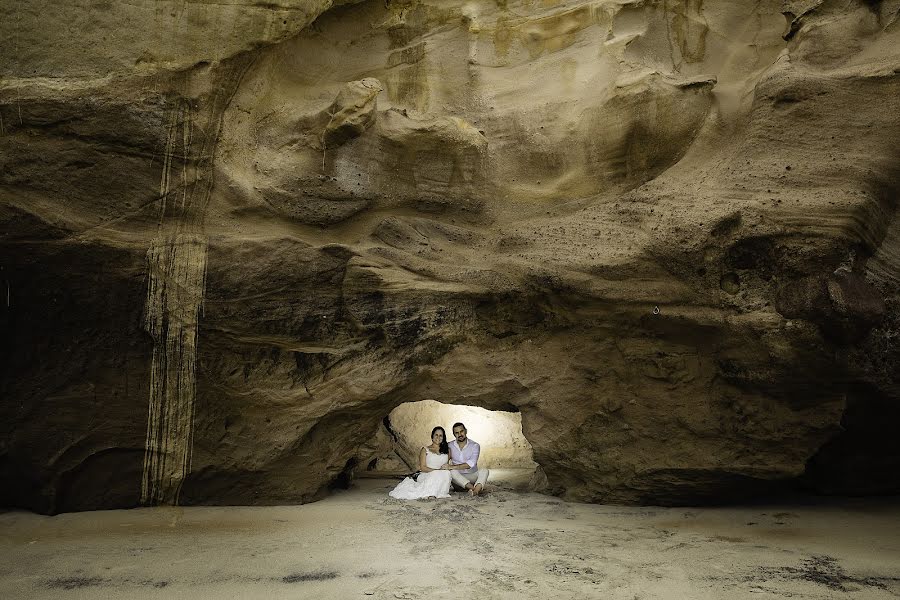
point(234, 237)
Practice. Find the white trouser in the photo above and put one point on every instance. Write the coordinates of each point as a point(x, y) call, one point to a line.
point(477, 476)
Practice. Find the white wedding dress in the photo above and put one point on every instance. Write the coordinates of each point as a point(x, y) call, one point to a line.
point(432, 484)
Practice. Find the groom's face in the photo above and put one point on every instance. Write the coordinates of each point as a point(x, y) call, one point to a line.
point(460, 433)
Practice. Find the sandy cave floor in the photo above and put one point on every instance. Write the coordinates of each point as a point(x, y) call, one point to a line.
point(507, 544)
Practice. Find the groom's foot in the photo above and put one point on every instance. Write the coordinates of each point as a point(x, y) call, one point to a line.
point(476, 489)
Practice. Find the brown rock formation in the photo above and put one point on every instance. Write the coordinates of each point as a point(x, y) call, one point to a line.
point(664, 232)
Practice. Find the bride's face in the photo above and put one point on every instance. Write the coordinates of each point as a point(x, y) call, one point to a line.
point(437, 437)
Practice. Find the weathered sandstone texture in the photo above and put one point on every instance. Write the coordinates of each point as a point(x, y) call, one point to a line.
point(235, 236)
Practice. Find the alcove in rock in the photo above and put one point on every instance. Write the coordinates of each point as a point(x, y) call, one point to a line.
point(504, 448)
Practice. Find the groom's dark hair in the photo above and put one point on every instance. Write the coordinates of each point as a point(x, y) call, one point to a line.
point(455, 425)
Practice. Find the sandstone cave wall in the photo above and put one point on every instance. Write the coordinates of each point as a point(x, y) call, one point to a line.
point(234, 237)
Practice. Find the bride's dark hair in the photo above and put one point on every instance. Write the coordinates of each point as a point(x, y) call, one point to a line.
point(443, 447)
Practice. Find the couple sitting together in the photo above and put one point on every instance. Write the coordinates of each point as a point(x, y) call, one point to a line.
point(442, 464)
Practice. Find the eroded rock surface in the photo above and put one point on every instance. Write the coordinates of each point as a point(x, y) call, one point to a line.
point(663, 232)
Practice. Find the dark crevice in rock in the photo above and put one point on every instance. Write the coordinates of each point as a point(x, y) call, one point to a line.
point(864, 459)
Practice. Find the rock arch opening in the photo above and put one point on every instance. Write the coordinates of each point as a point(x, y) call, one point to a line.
point(504, 447)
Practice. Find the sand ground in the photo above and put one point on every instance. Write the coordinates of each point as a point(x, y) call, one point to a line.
point(507, 544)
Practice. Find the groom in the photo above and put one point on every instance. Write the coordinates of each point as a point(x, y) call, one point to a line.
point(463, 467)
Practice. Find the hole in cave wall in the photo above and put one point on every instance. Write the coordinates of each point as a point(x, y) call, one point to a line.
point(864, 460)
point(499, 433)
point(345, 477)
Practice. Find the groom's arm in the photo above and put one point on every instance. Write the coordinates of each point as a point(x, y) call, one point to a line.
point(457, 466)
point(474, 460)
point(471, 463)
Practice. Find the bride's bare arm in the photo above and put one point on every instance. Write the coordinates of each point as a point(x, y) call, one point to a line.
point(422, 466)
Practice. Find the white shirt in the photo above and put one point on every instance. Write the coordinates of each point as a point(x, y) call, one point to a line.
point(468, 455)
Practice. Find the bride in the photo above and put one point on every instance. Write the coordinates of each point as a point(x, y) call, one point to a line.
point(434, 477)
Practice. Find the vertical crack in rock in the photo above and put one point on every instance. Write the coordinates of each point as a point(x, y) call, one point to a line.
point(177, 277)
point(177, 260)
point(176, 281)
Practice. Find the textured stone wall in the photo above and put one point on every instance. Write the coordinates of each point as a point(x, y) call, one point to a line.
point(233, 237)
